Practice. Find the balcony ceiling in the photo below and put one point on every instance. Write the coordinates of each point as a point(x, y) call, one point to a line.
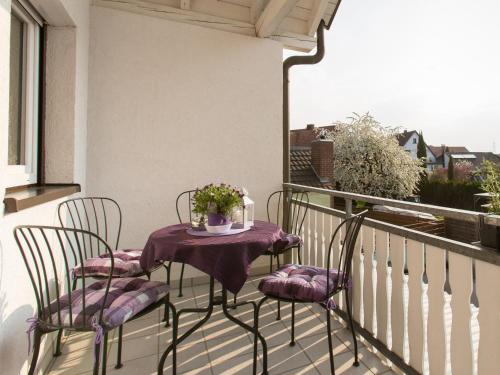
point(291, 22)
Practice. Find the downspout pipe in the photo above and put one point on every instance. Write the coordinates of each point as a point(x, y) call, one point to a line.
point(287, 64)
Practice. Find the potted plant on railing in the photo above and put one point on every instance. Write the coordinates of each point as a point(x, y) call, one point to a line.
point(217, 202)
point(490, 234)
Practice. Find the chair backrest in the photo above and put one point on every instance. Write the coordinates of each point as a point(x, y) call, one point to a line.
point(349, 230)
point(99, 215)
point(49, 254)
point(184, 206)
point(278, 203)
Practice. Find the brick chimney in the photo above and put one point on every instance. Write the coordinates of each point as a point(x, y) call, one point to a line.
point(322, 159)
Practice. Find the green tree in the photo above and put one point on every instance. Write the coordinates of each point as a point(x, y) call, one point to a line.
point(451, 170)
point(421, 148)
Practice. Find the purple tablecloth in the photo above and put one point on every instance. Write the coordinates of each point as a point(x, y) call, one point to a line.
point(226, 258)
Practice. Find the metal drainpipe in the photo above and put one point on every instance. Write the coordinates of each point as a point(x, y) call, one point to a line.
point(287, 64)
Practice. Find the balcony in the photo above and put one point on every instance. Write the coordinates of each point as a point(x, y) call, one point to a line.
point(423, 304)
point(140, 100)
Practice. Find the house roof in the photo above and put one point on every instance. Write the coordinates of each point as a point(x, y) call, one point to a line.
point(290, 22)
point(437, 151)
point(304, 137)
point(456, 149)
point(301, 171)
point(405, 136)
point(477, 158)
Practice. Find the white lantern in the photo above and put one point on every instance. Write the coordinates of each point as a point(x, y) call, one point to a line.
point(243, 215)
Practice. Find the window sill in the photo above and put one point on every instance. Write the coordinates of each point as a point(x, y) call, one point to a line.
point(17, 199)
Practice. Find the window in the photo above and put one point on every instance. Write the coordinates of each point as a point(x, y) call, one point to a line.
point(23, 97)
point(414, 141)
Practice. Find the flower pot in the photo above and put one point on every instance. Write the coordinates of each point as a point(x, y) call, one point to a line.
point(215, 219)
point(490, 236)
point(219, 229)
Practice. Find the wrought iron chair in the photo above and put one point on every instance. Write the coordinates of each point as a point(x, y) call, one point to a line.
point(289, 283)
point(103, 217)
point(183, 203)
point(281, 204)
point(49, 253)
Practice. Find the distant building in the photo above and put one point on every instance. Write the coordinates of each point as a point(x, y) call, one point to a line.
point(311, 159)
point(408, 140)
point(443, 154)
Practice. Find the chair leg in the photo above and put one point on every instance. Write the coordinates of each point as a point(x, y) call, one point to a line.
point(292, 341)
point(278, 315)
point(58, 343)
point(330, 345)
point(348, 307)
point(166, 316)
point(119, 363)
point(271, 264)
point(105, 353)
point(299, 251)
point(234, 301)
point(36, 350)
point(256, 338)
point(97, 356)
point(180, 281)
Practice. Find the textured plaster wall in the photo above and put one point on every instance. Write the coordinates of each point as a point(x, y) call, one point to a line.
point(60, 103)
point(174, 106)
point(17, 301)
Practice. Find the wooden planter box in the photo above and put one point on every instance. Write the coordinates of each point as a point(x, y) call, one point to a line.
point(490, 234)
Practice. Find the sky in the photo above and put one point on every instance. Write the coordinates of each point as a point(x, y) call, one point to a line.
point(430, 65)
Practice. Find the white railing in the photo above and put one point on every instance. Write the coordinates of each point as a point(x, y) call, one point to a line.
point(430, 305)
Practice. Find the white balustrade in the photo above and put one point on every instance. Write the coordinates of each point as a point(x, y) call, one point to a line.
point(368, 287)
point(382, 308)
point(398, 331)
point(436, 335)
point(407, 313)
point(415, 264)
point(488, 292)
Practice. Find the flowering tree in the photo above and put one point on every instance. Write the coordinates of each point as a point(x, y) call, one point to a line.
point(462, 170)
point(368, 159)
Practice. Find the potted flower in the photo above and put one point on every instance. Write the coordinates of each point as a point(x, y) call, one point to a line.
point(217, 203)
point(490, 234)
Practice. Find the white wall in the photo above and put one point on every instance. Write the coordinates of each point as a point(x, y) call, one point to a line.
point(174, 106)
point(17, 301)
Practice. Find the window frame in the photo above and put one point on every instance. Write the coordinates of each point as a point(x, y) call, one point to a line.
point(27, 173)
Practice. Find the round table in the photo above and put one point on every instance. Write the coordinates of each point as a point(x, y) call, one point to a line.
point(224, 258)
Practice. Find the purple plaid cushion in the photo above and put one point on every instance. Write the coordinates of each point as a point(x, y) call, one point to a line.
point(126, 264)
point(287, 242)
point(302, 283)
point(127, 297)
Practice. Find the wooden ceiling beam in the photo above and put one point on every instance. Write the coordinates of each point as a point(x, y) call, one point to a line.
point(317, 13)
point(272, 16)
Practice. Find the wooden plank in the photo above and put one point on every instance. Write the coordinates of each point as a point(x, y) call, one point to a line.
point(415, 262)
point(488, 293)
point(460, 273)
point(256, 10)
point(382, 308)
point(180, 15)
point(368, 287)
point(297, 42)
point(306, 238)
point(314, 240)
point(317, 13)
point(334, 261)
point(398, 328)
point(272, 16)
point(357, 280)
point(436, 334)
